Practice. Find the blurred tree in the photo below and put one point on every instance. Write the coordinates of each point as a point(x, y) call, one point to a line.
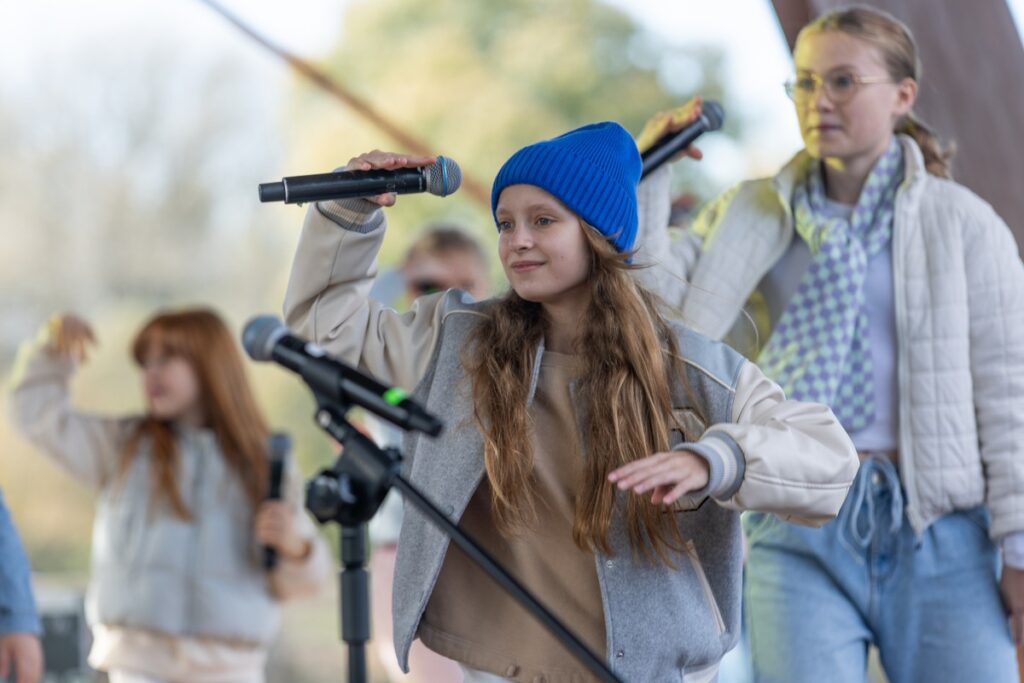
point(134, 179)
point(478, 80)
point(126, 185)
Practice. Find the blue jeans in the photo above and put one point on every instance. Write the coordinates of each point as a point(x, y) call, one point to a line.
point(815, 598)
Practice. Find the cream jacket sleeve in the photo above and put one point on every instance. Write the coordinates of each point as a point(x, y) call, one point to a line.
point(327, 298)
point(995, 299)
point(666, 255)
point(786, 457)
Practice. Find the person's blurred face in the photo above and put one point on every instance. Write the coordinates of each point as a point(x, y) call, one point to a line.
point(171, 387)
point(426, 273)
point(542, 247)
point(846, 102)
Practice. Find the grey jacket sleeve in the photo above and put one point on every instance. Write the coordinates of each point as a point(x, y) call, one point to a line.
point(17, 607)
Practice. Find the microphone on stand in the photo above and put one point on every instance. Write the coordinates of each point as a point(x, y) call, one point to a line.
point(265, 338)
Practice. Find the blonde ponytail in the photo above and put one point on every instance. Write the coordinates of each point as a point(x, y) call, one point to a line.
point(938, 159)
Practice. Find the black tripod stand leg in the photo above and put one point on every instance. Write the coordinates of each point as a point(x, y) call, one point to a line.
point(355, 600)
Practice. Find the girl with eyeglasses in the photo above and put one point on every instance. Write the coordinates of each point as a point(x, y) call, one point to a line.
point(861, 276)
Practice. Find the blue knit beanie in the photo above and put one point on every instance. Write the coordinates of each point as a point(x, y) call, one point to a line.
point(593, 170)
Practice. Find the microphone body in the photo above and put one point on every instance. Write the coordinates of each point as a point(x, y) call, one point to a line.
point(279, 445)
point(266, 338)
point(441, 178)
point(711, 117)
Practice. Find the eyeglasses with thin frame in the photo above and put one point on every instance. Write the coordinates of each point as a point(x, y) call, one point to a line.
point(839, 86)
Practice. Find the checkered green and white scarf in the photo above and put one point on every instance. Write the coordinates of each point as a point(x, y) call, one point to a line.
point(819, 349)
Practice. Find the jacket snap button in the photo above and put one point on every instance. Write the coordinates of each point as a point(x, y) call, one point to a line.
point(610, 564)
point(620, 654)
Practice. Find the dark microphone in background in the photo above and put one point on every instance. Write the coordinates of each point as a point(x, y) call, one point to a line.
point(441, 178)
point(711, 117)
point(266, 338)
point(279, 446)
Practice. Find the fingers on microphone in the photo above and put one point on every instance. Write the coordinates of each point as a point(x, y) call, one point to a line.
point(410, 161)
point(422, 160)
point(378, 159)
point(686, 114)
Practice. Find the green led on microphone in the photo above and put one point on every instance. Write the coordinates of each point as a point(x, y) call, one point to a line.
point(394, 396)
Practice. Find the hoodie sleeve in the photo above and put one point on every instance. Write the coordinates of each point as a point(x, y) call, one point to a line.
point(328, 296)
point(86, 446)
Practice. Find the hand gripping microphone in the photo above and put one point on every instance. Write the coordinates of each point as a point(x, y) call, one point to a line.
point(266, 338)
point(279, 445)
point(441, 178)
point(711, 117)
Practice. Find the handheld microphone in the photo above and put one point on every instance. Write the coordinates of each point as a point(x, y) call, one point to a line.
point(266, 338)
point(711, 117)
point(279, 445)
point(441, 178)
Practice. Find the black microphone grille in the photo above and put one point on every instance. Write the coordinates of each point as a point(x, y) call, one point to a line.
point(260, 335)
point(713, 114)
point(279, 444)
point(443, 177)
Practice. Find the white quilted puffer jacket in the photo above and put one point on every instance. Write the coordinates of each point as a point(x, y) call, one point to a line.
point(959, 301)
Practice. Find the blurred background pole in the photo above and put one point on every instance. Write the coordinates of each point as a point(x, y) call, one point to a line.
point(406, 141)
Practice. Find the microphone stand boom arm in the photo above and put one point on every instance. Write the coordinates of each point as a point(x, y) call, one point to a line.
point(350, 492)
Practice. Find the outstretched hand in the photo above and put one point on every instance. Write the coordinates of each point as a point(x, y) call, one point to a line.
point(667, 122)
point(671, 475)
point(70, 336)
point(388, 161)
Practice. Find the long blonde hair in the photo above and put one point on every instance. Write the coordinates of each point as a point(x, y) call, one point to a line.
point(201, 338)
point(624, 396)
point(899, 51)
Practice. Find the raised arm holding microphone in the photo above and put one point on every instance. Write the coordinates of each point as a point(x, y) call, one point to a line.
point(636, 545)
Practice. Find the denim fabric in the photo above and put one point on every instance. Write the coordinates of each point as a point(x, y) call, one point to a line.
point(816, 598)
point(17, 607)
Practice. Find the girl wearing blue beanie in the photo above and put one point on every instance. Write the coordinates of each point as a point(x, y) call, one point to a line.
point(585, 434)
